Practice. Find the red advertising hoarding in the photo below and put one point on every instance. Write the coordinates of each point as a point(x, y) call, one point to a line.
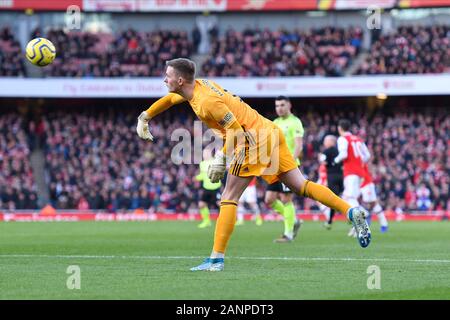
point(214, 5)
point(60, 5)
point(244, 5)
point(62, 216)
point(274, 5)
point(362, 4)
point(423, 3)
point(155, 5)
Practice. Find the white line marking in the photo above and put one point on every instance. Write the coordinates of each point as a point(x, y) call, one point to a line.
point(231, 258)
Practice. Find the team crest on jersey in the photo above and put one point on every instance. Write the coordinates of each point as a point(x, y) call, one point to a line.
point(226, 119)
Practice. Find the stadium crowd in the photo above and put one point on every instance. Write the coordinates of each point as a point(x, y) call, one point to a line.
point(95, 160)
point(254, 52)
point(327, 51)
point(12, 63)
point(409, 163)
point(410, 50)
point(127, 54)
point(17, 186)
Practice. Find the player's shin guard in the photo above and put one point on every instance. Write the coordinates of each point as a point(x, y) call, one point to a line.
point(204, 212)
point(257, 212)
point(278, 206)
point(206, 222)
point(289, 219)
point(224, 225)
point(325, 196)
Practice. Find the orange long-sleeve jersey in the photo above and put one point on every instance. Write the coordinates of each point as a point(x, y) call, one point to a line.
point(216, 107)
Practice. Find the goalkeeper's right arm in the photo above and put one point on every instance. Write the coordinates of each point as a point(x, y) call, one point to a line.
point(156, 108)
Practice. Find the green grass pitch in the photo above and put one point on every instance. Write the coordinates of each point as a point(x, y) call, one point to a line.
point(151, 260)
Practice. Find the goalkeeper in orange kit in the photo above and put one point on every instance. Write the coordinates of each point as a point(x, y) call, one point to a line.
point(253, 145)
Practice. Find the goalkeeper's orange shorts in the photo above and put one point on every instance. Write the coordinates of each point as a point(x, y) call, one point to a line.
point(265, 155)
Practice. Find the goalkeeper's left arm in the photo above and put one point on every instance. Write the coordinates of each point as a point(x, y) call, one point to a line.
point(156, 108)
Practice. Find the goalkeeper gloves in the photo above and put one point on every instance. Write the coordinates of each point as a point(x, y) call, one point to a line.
point(142, 128)
point(216, 170)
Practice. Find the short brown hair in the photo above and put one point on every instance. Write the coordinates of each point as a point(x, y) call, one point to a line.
point(344, 124)
point(281, 98)
point(184, 67)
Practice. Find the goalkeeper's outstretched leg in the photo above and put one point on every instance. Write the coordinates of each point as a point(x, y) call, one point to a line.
point(295, 180)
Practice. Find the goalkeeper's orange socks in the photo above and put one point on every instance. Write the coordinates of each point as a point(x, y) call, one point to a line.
point(224, 227)
point(325, 196)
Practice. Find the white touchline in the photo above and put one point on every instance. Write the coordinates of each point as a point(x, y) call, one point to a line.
point(230, 257)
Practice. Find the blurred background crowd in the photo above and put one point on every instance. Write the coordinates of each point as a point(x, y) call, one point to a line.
point(89, 156)
point(324, 51)
point(94, 159)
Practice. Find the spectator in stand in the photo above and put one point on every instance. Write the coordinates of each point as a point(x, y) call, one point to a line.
point(423, 197)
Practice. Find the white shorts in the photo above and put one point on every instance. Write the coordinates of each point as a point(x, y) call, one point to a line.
point(352, 186)
point(368, 193)
point(249, 195)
